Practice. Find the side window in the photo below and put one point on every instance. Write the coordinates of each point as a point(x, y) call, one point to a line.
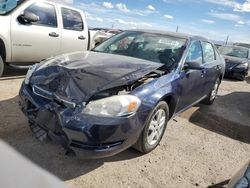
point(195, 53)
point(72, 20)
point(45, 12)
point(208, 51)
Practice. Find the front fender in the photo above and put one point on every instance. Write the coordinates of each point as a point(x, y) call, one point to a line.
point(160, 89)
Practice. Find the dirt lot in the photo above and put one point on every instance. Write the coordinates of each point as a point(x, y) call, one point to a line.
point(202, 147)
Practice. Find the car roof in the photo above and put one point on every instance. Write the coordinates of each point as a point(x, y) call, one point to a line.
point(174, 34)
point(242, 47)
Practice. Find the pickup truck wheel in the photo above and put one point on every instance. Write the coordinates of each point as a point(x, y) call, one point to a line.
point(1, 66)
point(213, 94)
point(154, 129)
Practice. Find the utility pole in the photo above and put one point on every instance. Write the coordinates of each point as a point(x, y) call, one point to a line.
point(227, 39)
point(177, 29)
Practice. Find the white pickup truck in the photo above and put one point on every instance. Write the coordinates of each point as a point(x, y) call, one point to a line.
point(33, 30)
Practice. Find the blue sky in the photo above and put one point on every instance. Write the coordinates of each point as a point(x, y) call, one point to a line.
point(214, 19)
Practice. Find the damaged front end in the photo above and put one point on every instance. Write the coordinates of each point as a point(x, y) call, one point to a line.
point(83, 101)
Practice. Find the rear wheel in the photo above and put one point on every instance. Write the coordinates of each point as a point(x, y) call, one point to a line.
point(154, 129)
point(213, 94)
point(1, 66)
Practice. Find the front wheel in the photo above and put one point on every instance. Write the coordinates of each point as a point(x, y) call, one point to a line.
point(1, 67)
point(213, 94)
point(154, 129)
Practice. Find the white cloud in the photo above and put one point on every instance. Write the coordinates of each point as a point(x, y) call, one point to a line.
point(228, 3)
point(240, 22)
point(227, 16)
point(133, 24)
point(122, 7)
point(121, 21)
point(237, 25)
point(238, 7)
point(93, 18)
point(108, 5)
point(151, 7)
point(208, 21)
point(245, 7)
point(168, 16)
point(146, 24)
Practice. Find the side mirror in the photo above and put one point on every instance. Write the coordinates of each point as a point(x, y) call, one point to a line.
point(28, 17)
point(193, 65)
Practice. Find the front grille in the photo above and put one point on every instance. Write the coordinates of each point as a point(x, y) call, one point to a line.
point(50, 96)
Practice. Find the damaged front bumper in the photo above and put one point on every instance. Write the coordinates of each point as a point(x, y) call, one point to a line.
point(234, 72)
point(86, 135)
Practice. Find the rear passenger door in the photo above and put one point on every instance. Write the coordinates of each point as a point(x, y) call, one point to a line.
point(74, 32)
point(211, 65)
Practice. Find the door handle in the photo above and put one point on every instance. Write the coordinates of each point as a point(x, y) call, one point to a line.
point(203, 72)
point(81, 37)
point(219, 67)
point(53, 34)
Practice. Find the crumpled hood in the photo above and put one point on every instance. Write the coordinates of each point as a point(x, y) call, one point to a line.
point(236, 60)
point(78, 76)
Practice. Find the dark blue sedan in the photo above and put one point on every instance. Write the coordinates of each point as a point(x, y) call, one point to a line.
point(237, 61)
point(122, 93)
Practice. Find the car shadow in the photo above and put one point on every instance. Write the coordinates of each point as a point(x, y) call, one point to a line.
point(12, 73)
point(228, 116)
point(15, 131)
point(248, 79)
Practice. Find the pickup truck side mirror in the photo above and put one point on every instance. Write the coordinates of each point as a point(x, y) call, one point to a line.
point(28, 17)
point(193, 65)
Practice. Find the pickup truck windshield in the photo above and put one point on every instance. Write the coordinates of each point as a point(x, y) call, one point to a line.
point(7, 6)
point(152, 47)
point(234, 51)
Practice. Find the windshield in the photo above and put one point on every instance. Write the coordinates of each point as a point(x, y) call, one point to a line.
point(234, 51)
point(7, 6)
point(152, 47)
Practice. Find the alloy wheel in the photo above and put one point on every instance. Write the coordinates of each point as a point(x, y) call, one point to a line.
point(156, 127)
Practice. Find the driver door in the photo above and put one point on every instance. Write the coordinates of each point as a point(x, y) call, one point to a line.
point(191, 83)
point(34, 42)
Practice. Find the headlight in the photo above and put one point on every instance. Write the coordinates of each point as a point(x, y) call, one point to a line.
point(242, 66)
point(29, 73)
point(115, 106)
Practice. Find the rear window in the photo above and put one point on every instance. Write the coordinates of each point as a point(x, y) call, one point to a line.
point(208, 51)
point(72, 20)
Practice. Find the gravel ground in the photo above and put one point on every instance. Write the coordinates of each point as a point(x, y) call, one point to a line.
point(204, 146)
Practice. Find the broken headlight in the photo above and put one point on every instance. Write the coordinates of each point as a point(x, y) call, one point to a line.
point(29, 73)
point(115, 106)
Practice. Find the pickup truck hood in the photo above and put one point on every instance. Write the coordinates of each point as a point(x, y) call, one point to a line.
point(78, 76)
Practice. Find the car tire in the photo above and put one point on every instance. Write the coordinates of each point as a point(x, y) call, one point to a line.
point(1, 67)
point(242, 78)
point(154, 129)
point(209, 100)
